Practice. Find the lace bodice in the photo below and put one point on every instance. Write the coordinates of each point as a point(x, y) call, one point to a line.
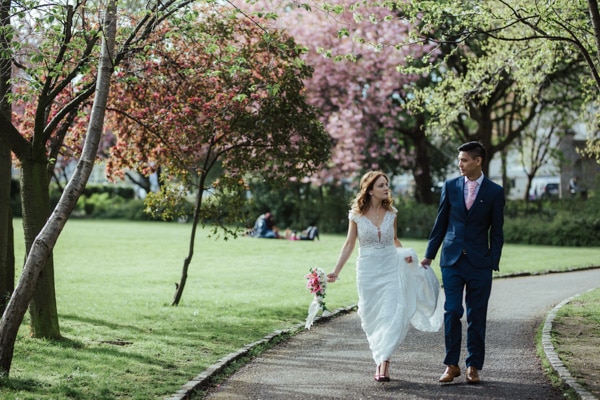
point(371, 236)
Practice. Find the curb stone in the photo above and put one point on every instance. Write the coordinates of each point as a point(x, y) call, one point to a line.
point(206, 378)
point(555, 362)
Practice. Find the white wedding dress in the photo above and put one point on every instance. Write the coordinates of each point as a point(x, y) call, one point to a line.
point(392, 294)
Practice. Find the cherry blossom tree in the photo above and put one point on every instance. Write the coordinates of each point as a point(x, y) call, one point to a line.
point(358, 87)
point(213, 102)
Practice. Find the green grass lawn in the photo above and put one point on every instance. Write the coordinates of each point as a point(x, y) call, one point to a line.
point(576, 337)
point(115, 281)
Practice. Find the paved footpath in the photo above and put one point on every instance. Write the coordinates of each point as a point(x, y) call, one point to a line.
point(333, 361)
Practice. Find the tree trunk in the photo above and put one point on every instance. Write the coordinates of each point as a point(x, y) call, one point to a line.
point(41, 249)
point(422, 173)
point(186, 263)
point(506, 184)
point(184, 273)
point(7, 253)
point(422, 169)
point(35, 201)
point(595, 18)
point(485, 132)
point(528, 187)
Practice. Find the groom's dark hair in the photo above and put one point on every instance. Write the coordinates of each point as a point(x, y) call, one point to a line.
point(475, 149)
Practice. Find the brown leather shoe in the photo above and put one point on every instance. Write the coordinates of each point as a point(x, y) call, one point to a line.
point(472, 375)
point(451, 372)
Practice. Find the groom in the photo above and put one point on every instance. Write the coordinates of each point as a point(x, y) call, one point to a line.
point(468, 226)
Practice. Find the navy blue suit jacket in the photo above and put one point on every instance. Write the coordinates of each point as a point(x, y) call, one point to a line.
point(478, 231)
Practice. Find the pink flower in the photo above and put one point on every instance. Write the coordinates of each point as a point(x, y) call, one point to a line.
point(317, 284)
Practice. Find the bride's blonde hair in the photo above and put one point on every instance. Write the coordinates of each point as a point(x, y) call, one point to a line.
point(362, 200)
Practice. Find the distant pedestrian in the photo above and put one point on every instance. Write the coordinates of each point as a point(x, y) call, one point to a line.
point(393, 291)
point(469, 226)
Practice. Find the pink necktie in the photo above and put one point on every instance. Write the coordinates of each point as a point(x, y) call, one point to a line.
point(471, 185)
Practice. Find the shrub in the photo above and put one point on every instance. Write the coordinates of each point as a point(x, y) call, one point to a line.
point(415, 220)
point(569, 222)
point(299, 205)
point(125, 192)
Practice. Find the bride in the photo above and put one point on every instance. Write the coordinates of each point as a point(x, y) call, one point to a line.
point(393, 292)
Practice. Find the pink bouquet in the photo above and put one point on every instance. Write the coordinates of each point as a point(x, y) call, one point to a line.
point(317, 285)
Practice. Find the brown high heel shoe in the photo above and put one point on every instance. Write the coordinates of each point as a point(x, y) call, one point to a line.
point(382, 374)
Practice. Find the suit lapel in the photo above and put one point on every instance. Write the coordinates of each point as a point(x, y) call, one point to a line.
point(479, 193)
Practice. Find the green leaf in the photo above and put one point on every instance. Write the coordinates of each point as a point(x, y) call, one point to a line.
point(342, 33)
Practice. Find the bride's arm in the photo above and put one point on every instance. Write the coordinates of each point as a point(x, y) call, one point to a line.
point(345, 253)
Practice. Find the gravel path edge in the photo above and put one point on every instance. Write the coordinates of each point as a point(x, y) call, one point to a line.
point(555, 362)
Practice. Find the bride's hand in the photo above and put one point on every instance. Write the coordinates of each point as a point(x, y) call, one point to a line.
point(331, 277)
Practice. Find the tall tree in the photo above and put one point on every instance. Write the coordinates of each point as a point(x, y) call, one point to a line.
point(41, 248)
point(481, 83)
point(478, 99)
point(54, 51)
point(7, 257)
point(215, 99)
point(360, 91)
point(538, 146)
point(530, 34)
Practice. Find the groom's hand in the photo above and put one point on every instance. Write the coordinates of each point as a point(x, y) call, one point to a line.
point(426, 262)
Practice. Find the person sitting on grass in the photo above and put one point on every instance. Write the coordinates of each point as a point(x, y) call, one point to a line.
point(264, 227)
point(310, 233)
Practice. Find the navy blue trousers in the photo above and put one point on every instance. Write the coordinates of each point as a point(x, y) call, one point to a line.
point(475, 285)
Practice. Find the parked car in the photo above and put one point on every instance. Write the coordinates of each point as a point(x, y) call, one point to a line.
point(545, 190)
point(551, 191)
